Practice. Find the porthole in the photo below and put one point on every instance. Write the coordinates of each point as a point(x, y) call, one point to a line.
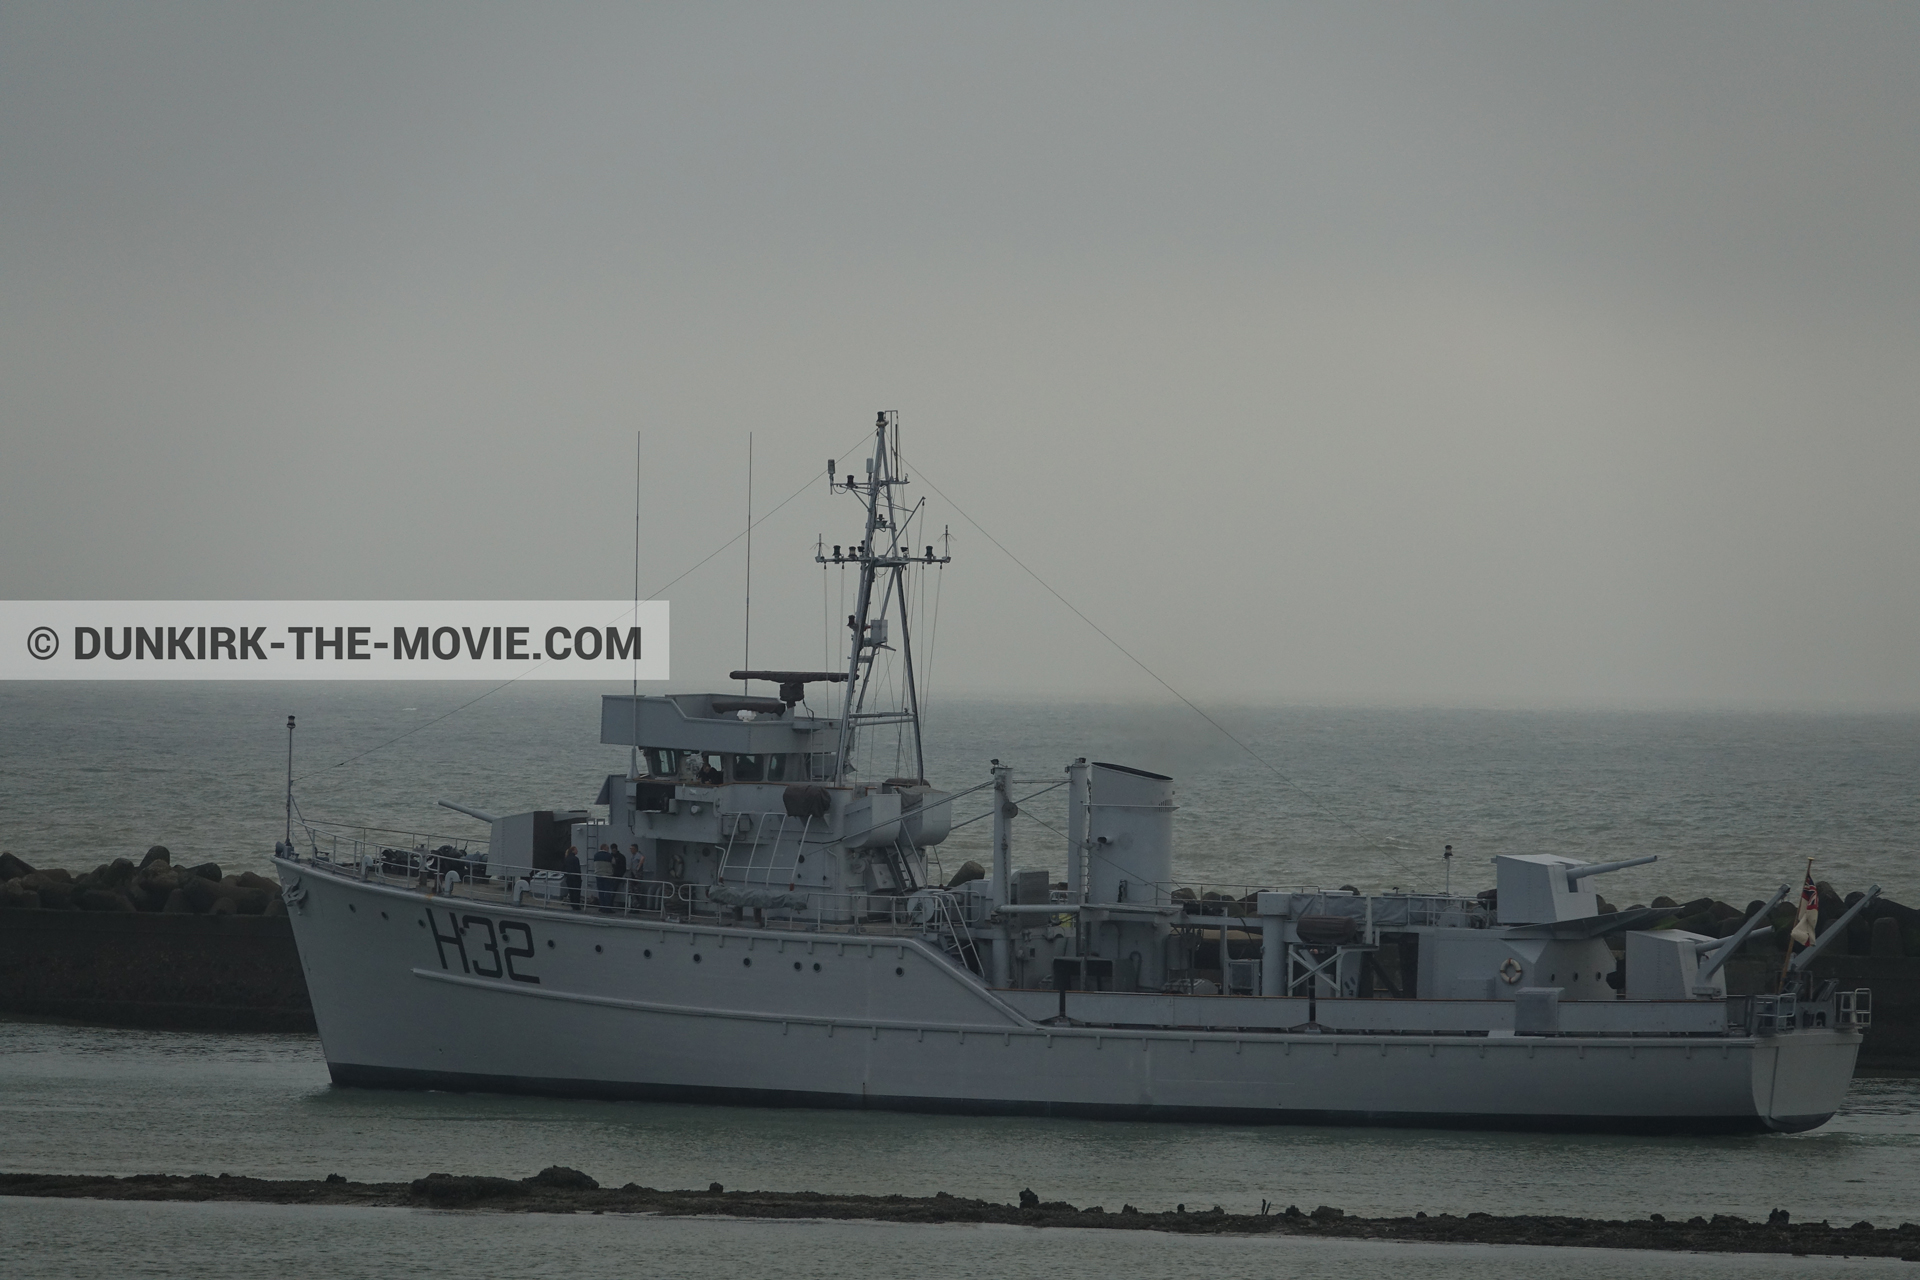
point(648, 953)
point(421, 923)
point(549, 943)
point(696, 957)
point(899, 973)
point(748, 962)
point(816, 966)
point(596, 948)
point(796, 966)
point(353, 908)
point(383, 915)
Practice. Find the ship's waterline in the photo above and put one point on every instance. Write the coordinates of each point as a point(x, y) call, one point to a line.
point(91, 1100)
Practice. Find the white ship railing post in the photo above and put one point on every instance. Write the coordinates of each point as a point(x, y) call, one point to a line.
point(1003, 813)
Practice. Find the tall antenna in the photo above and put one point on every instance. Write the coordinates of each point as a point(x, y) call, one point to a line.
point(633, 761)
point(746, 656)
point(290, 787)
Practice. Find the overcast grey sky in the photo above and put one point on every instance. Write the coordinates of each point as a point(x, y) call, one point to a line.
point(1442, 353)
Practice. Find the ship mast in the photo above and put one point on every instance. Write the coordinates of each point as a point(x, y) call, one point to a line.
point(884, 559)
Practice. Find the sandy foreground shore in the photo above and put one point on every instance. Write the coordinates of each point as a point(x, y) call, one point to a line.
point(560, 1190)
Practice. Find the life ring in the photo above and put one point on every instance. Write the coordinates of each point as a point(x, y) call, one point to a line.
point(1510, 970)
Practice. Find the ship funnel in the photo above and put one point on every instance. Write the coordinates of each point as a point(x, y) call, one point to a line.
point(1129, 841)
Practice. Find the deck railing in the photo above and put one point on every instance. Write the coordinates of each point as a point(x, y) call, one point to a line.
point(425, 859)
point(367, 854)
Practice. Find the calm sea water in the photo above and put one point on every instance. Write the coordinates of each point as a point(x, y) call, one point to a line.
point(1732, 803)
point(81, 1100)
point(59, 1239)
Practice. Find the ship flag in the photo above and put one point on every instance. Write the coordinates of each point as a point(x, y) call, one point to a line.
point(1808, 920)
point(1803, 924)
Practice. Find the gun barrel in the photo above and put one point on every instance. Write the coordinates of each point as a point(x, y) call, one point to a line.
point(471, 813)
point(1718, 953)
point(1577, 874)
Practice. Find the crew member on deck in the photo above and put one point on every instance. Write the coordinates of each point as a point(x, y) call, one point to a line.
point(570, 872)
point(603, 877)
point(619, 890)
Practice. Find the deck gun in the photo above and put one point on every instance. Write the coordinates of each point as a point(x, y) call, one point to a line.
point(1576, 874)
point(1544, 889)
point(1718, 951)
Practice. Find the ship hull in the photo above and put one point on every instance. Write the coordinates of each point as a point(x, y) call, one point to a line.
point(411, 991)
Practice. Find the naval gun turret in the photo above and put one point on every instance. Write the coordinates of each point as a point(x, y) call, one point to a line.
point(1545, 888)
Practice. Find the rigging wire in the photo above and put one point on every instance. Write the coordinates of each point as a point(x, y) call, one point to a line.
point(1048, 825)
point(1016, 804)
point(1224, 732)
point(933, 637)
point(634, 758)
point(920, 628)
point(746, 626)
point(756, 524)
point(654, 594)
point(900, 726)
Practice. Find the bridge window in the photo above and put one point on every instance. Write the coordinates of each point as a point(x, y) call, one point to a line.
point(687, 767)
point(759, 768)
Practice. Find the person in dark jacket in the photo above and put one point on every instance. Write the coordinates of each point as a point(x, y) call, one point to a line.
point(619, 877)
point(570, 870)
point(603, 878)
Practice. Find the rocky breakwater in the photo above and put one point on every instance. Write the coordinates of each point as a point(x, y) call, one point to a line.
point(558, 1189)
point(149, 944)
point(1879, 951)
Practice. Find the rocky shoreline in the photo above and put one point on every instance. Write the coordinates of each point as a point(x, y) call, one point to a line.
point(154, 884)
point(562, 1190)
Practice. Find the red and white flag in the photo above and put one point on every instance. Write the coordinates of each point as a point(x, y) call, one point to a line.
point(1809, 917)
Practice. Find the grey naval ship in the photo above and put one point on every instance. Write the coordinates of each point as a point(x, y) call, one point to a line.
point(778, 937)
